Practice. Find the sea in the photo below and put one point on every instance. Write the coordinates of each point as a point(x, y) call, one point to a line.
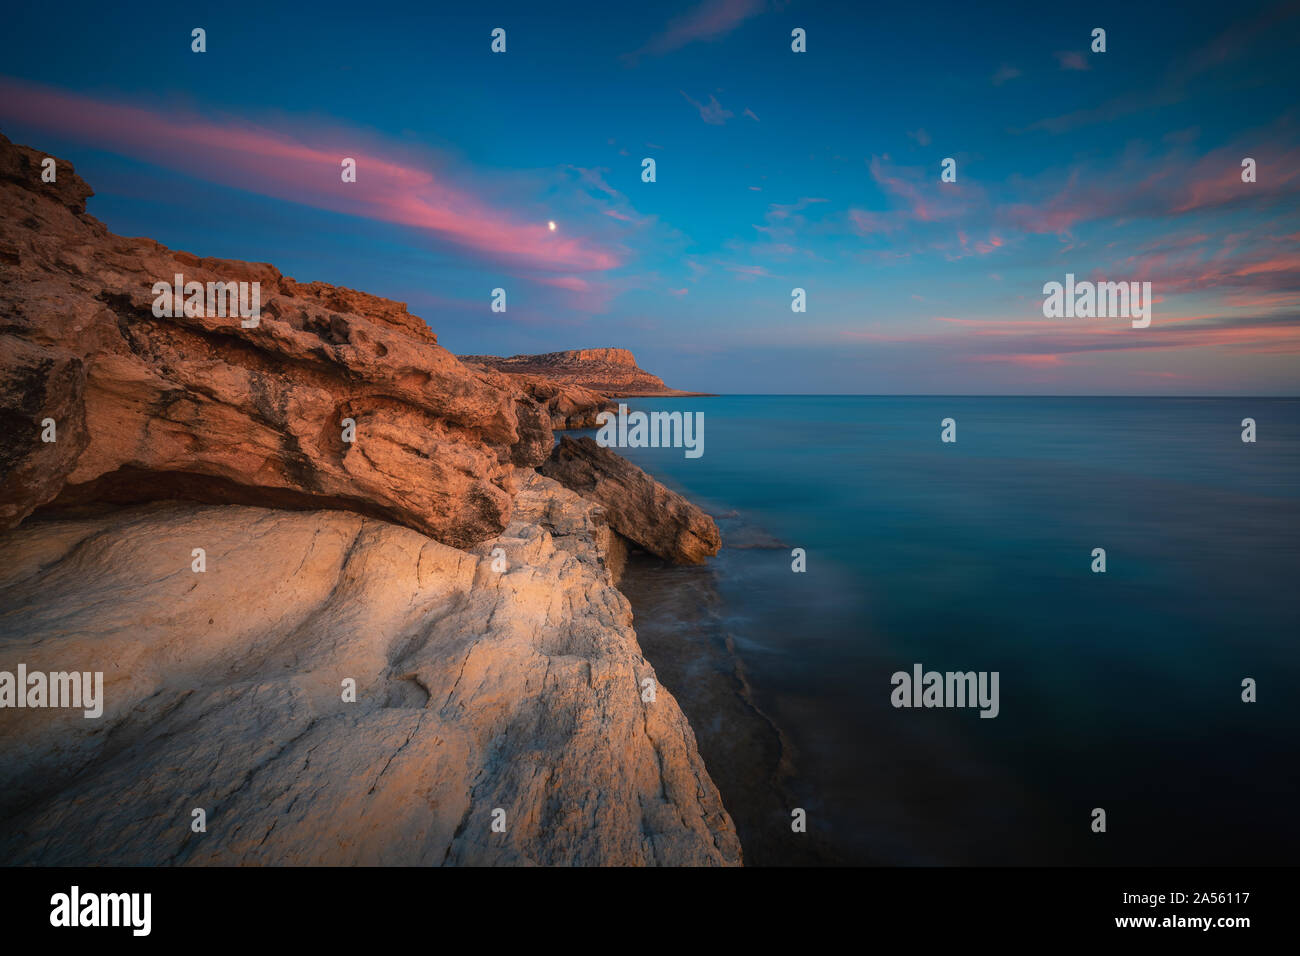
point(1119, 691)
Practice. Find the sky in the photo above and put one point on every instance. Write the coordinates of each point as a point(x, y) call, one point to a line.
point(775, 170)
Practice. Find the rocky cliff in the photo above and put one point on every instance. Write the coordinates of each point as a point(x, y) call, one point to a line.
point(144, 406)
point(611, 372)
point(231, 520)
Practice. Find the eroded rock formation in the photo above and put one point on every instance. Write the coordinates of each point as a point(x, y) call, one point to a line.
point(197, 405)
point(569, 406)
point(636, 506)
point(476, 690)
point(478, 687)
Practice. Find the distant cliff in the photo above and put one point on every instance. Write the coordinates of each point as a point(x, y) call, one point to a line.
point(611, 372)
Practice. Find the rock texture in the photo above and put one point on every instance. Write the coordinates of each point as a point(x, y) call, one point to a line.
point(198, 406)
point(635, 505)
point(611, 372)
point(569, 406)
point(476, 690)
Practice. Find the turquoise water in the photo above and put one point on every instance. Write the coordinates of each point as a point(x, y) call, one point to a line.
point(1119, 690)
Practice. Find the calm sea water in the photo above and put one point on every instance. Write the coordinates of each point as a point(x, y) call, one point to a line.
point(1119, 690)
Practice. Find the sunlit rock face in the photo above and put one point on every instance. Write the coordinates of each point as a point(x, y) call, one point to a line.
point(611, 372)
point(478, 690)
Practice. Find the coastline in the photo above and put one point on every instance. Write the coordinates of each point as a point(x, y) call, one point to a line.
point(327, 586)
point(680, 620)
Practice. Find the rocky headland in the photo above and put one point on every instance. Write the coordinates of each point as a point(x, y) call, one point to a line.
point(611, 372)
point(347, 596)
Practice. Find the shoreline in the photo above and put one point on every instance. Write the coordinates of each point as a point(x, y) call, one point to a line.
point(318, 534)
point(677, 612)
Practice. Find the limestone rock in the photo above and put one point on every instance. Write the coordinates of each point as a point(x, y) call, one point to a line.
point(634, 504)
point(569, 406)
point(612, 372)
point(476, 690)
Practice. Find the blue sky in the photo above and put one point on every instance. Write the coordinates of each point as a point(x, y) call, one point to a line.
point(775, 170)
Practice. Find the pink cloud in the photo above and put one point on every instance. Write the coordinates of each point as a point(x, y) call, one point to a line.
point(866, 223)
point(749, 272)
point(1071, 60)
point(925, 201)
point(571, 283)
point(1056, 214)
point(1256, 269)
point(305, 168)
point(1047, 344)
point(711, 20)
point(1034, 361)
point(1215, 180)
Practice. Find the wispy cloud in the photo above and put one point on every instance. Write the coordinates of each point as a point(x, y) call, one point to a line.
point(710, 20)
point(747, 272)
point(1048, 343)
point(1228, 45)
point(1071, 60)
point(1173, 184)
point(924, 202)
point(711, 112)
point(304, 167)
point(1005, 73)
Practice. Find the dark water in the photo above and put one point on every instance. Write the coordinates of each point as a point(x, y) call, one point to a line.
point(1119, 690)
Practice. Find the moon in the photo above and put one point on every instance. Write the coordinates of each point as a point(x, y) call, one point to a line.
point(551, 225)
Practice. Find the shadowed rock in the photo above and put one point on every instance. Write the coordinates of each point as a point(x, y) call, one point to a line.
point(635, 505)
